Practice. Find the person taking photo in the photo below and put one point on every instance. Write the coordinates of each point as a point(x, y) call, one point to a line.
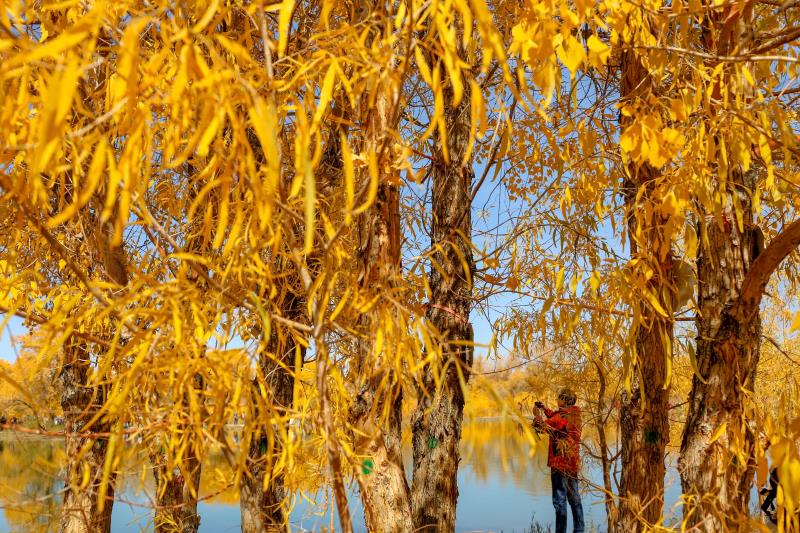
point(563, 427)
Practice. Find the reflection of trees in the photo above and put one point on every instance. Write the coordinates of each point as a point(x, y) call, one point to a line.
point(494, 449)
point(30, 472)
point(29, 482)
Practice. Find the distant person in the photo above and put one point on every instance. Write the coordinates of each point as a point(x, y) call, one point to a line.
point(563, 427)
point(770, 493)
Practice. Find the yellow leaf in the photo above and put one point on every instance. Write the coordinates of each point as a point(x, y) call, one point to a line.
point(424, 70)
point(235, 49)
point(571, 53)
point(284, 19)
point(400, 16)
point(325, 94)
point(349, 179)
point(85, 192)
point(265, 123)
point(653, 300)
point(594, 281)
point(310, 204)
point(52, 48)
point(690, 238)
point(718, 433)
point(795, 323)
point(559, 280)
point(208, 135)
point(124, 80)
point(207, 17)
point(372, 191)
point(598, 51)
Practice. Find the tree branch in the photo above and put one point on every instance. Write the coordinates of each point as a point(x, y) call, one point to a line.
point(762, 268)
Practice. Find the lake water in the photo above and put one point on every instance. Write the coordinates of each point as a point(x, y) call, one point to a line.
point(504, 484)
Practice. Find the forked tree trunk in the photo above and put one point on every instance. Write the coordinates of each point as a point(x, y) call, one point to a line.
point(86, 453)
point(644, 421)
point(718, 475)
point(437, 419)
point(717, 448)
point(384, 489)
point(262, 491)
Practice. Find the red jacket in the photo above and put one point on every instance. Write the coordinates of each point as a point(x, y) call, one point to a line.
point(564, 429)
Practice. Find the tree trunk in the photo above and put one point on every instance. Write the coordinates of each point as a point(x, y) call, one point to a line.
point(437, 419)
point(605, 460)
point(86, 453)
point(87, 445)
point(718, 475)
point(177, 490)
point(176, 503)
point(262, 490)
point(644, 421)
point(384, 489)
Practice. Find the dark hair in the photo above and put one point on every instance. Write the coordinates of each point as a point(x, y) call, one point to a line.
point(567, 396)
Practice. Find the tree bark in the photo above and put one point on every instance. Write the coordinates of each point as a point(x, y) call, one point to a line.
point(262, 490)
point(86, 453)
point(176, 499)
point(437, 419)
point(384, 489)
point(644, 422)
point(717, 475)
point(87, 441)
point(605, 460)
point(177, 490)
point(717, 449)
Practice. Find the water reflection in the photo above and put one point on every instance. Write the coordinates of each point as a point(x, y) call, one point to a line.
point(503, 482)
point(30, 484)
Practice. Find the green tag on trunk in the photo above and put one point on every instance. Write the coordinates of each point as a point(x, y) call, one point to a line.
point(433, 442)
point(367, 466)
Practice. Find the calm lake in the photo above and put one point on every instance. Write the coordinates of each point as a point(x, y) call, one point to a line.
point(504, 484)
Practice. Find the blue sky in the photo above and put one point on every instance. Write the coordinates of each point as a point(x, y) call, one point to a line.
point(15, 328)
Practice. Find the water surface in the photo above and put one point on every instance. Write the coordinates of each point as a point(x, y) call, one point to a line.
point(504, 484)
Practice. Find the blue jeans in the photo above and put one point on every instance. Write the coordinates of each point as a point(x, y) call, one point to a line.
point(565, 488)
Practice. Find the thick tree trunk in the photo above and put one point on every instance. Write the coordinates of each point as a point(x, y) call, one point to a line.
point(644, 421)
point(87, 445)
point(717, 448)
point(262, 490)
point(176, 500)
point(438, 416)
point(384, 489)
point(718, 475)
point(86, 453)
point(177, 490)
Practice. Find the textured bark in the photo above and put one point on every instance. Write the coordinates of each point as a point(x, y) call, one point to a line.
point(605, 460)
point(262, 490)
point(718, 475)
point(87, 441)
point(437, 419)
point(86, 446)
point(176, 500)
point(384, 489)
point(644, 421)
point(80, 402)
point(177, 490)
